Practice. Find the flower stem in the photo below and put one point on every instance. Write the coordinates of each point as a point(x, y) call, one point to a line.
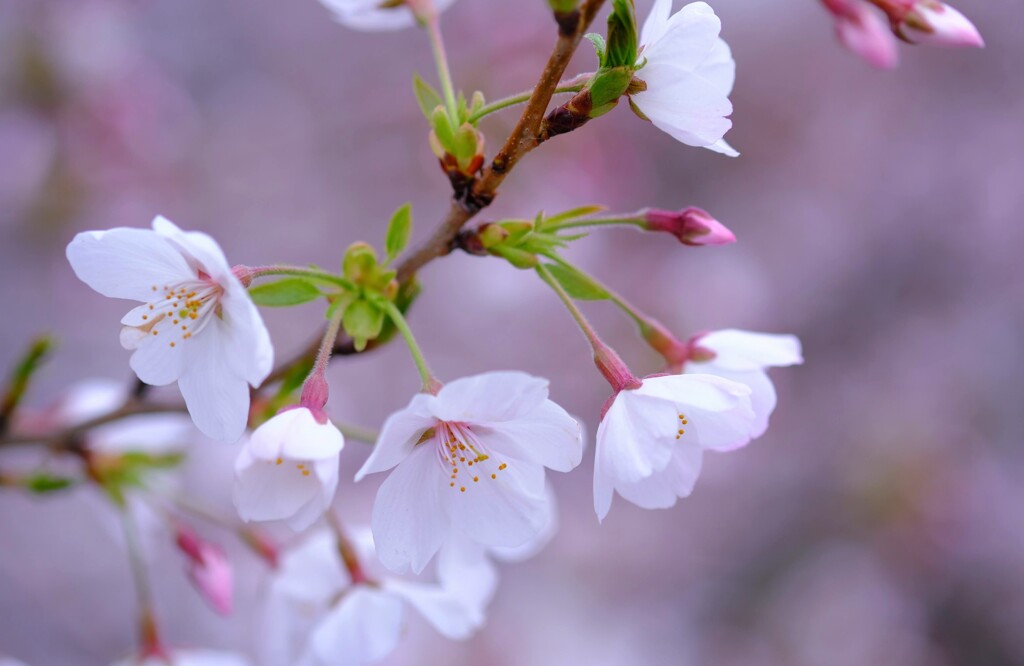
point(148, 635)
point(250, 273)
point(430, 383)
point(630, 220)
point(608, 362)
point(572, 85)
point(315, 389)
point(443, 73)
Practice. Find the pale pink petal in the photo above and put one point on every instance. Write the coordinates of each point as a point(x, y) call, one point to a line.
point(363, 628)
point(400, 434)
point(126, 263)
point(490, 397)
point(547, 436)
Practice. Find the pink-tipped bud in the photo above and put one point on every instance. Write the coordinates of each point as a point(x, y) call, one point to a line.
point(692, 226)
point(262, 545)
point(208, 569)
point(937, 24)
point(862, 31)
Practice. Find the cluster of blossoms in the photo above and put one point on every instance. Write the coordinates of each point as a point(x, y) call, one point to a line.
point(466, 460)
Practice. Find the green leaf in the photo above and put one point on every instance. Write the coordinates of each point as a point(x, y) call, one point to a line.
point(426, 96)
point(599, 46)
point(607, 86)
point(44, 482)
point(518, 258)
point(622, 38)
point(399, 230)
point(575, 213)
point(360, 262)
point(578, 285)
point(289, 291)
point(363, 321)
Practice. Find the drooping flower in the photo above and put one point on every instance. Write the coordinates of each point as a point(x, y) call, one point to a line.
point(333, 608)
point(197, 325)
point(652, 438)
point(933, 23)
point(744, 357)
point(188, 658)
point(288, 469)
point(470, 461)
point(380, 15)
point(689, 73)
point(208, 569)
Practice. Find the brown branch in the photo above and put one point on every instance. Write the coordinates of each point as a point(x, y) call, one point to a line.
point(69, 436)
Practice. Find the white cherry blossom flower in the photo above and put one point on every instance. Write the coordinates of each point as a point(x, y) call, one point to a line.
point(381, 15)
point(196, 325)
point(652, 439)
point(188, 658)
point(288, 469)
point(470, 461)
point(689, 72)
point(744, 357)
point(326, 611)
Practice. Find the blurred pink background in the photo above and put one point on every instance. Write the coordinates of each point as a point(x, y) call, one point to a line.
point(879, 520)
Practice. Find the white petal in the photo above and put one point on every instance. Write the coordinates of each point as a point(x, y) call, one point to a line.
point(200, 247)
point(688, 38)
point(684, 105)
point(452, 618)
point(400, 434)
point(250, 353)
point(507, 510)
point(547, 436)
point(295, 434)
point(656, 22)
point(762, 398)
point(746, 350)
point(718, 410)
point(490, 397)
point(465, 571)
point(635, 436)
point(719, 68)
point(326, 470)
point(722, 146)
point(409, 521)
point(661, 489)
point(126, 263)
point(313, 571)
point(362, 629)
point(264, 490)
point(540, 540)
point(154, 360)
point(217, 399)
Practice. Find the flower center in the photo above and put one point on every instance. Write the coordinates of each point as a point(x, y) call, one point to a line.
point(458, 448)
point(681, 431)
point(181, 310)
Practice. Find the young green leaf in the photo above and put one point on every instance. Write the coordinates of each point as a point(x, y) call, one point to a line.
point(399, 230)
point(426, 96)
point(289, 291)
point(578, 285)
point(363, 321)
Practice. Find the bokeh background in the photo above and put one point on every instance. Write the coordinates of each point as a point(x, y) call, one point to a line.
point(878, 522)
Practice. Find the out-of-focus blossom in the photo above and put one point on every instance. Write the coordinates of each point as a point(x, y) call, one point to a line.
point(470, 461)
point(934, 23)
point(330, 607)
point(861, 30)
point(689, 73)
point(378, 15)
point(744, 357)
point(692, 226)
point(652, 439)
point(188, 658)
point(208, 569)
point(288, 469)
point(197, 324)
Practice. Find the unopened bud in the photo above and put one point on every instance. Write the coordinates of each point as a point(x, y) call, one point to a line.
point(863, 31)
point(491, 234)
point(208, 569)
point(937, 24)
point(692, 226)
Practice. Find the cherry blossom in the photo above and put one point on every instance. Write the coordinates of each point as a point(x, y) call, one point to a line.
point(651, 440)
point(196, 325)
point(470, 461)
point(862, 30)
point(689, 73)
point(330, 607)
point(288, 469)
point(380, 15)
point(744, 357)
point(934, 23)
point(208, 569)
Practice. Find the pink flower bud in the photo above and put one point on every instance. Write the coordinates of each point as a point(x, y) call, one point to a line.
point(863, 32)
point(208, 569)
point(692, 226)
point(937, 24)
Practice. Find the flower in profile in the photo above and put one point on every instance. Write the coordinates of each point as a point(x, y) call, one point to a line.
point(208, 569)
point(330, 604)
point(193, 657)
point(288, 468)
point(744, 357)
point(652, 438)
point(688, 72)
point(468, 461)
point(692, 226)
point(382, 15)
point(934, 23)
point(196, 325)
